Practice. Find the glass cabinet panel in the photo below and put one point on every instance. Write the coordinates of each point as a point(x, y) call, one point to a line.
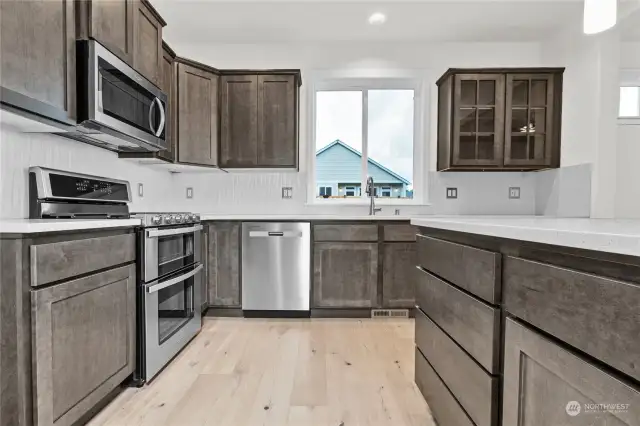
point(477, 130)
point(528, 115)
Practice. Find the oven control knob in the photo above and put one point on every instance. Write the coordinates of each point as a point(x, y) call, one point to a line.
point(192, 217)
point(179, 218)
point(169, 219)
point(156, 220)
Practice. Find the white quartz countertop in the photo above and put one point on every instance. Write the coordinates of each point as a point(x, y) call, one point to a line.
point(608, 235)
point(301, 217)
point(32, 226)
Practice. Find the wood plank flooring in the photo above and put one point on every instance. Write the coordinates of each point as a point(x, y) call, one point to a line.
point(319, 372)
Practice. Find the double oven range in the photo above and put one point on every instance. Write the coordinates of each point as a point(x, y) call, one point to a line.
point(170, 276)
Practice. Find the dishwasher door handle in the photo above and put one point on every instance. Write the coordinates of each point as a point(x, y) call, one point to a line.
point(281, 234)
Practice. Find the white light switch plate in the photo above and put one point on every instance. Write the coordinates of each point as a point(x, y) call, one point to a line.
point(140, 190)
point(189, 192)
point(514, 192)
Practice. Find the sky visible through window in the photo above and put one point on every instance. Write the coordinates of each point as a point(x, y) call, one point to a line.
point(629, 102)
point(390, 125)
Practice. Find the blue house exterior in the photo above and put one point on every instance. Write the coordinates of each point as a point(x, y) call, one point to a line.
point(338, 174)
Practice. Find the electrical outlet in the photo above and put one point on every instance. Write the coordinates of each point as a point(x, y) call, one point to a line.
point(140, 190)
point(452, 193)
point(189, 192)
point(514, 192)
point(287, 192)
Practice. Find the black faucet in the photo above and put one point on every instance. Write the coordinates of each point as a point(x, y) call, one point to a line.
point(371, 192)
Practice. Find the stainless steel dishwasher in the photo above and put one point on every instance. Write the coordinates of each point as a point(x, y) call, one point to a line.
point(275, 266)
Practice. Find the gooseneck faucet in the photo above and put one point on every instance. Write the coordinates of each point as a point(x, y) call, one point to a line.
point(371, 192)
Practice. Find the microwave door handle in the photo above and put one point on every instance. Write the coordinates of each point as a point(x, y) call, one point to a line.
point(156, 287)
point(162, 117)
point(155, 233)
point(151, 108)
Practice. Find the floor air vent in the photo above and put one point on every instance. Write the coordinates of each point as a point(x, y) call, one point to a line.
point(389, 313)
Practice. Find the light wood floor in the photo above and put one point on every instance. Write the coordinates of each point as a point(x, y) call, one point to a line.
point(245, 372)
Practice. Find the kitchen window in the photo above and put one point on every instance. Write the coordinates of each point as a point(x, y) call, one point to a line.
point(324, 191)
point(365, 128)
point(629, 102)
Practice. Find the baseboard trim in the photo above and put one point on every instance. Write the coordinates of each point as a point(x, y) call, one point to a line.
point(212, 311)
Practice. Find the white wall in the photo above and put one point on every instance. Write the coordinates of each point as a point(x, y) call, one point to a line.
point(256, 192)
point(19, 151)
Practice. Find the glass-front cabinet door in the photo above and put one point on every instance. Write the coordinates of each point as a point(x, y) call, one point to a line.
point(478, 120)
point(529, 113)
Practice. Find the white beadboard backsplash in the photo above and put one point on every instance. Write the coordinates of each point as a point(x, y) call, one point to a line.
point(19, 151)
point(259, 192)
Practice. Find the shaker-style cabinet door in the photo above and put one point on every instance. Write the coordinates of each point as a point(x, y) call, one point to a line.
point(38, 60)
point(111, 23)
point(277, 121)
point(545, 384)
point(398, 275)
point(197, 115)
point(147, 36)
point(531, 134)
point(224, 264)
point(345, 275)
point(239, 121)
point(84, 343)
point(478, 120)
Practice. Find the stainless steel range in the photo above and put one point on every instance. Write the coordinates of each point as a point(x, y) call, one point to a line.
point(170, 276)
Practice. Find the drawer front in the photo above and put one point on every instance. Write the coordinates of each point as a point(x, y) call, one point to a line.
point(345, 232)
point(473, 324)
point(543, 380)
point(400, 233)
point(600, 316)
point(475, 270)
point(62, 260)
point(473, 387)
point(444, 407)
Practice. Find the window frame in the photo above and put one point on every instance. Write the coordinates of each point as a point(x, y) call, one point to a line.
point(390, 80)
point(629, 78)
point(321, 187)
point(384, 189)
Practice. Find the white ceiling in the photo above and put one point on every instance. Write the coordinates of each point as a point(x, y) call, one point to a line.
point(331, 21)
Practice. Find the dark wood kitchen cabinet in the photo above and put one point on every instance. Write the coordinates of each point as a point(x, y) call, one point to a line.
point(147, 36)
point(345, 275)
point(259, 119)
point(111, 23)
point(398, 275)
point(73, 323)
point(38, 61)
point(545, 384)
point(499, 119)
point(223, 264)
point(197, 111)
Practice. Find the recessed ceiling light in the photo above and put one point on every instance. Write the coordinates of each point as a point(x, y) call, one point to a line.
point(377, 18)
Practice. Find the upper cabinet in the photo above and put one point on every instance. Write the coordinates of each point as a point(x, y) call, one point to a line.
point(197, 113)
point(499, 119)
point(111, 23)
point(147, 36)
point(259, 119)
point(37, 40)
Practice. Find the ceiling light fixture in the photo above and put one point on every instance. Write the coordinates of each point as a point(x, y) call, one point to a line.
point(377, 18)
point(599, 15)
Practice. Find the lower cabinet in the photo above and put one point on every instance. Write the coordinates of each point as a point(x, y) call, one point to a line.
point(398, 275)
point(545, 384)
point(224, 264)
point(345, 275)
point(84, 343)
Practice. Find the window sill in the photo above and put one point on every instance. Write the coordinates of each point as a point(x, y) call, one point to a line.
point(629, 121)
point(365, 202)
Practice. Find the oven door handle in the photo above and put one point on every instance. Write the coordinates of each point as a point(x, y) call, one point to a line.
point(154, 288)
point(155, 233)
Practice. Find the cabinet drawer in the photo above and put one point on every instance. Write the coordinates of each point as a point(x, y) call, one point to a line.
point(475, 270)
point(541, 379)
point(399, 233)
point(473, 387)
point(597, 315)
point(473, 324)
point(345, 233)
point(444, 407)
point(58, 261)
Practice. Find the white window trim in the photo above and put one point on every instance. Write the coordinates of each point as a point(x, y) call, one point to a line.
point(629, 78)
point(354, 80)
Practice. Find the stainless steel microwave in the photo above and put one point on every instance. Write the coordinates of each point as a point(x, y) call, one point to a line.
point(118, 108)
